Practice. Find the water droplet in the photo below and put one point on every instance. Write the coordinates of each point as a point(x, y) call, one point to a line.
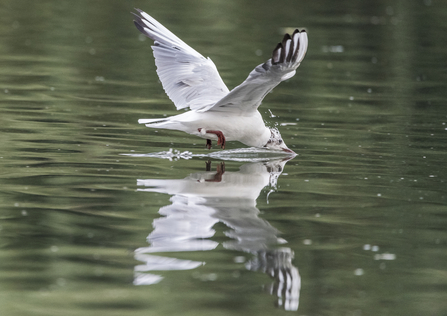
point(359, 272)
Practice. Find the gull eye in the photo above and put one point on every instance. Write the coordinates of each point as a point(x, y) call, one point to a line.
point(280, 141)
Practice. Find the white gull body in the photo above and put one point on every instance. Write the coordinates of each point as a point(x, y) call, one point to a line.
point(192, 81)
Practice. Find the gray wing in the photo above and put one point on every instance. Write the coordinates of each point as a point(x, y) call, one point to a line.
point(188, 78)
point(286, 58)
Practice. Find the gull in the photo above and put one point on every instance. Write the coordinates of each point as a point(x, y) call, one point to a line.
point(216, 113)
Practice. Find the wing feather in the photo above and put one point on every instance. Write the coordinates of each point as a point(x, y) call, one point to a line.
point(286, 58)
point(188, 78)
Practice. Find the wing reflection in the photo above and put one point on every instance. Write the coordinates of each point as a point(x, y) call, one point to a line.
point(203, 199)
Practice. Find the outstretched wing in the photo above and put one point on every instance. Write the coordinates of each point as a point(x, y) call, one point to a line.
point(189, 79)
point(286, 58)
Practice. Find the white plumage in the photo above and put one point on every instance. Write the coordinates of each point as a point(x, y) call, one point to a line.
point(191, 80)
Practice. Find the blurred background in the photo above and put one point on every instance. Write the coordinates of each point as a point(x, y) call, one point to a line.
point(100, 215)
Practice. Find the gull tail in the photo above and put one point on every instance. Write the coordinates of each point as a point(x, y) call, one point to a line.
point(152, 121)
point(163, 123)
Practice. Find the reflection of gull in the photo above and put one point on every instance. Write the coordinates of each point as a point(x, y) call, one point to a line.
point(183, 228)
point(200, 201)
point(246, 184)
point(278, 264)
point(192, 81)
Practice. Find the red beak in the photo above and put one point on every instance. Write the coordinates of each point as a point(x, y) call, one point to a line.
point(288, 150)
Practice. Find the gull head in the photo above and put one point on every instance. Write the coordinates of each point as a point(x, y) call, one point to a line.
point(276, 142)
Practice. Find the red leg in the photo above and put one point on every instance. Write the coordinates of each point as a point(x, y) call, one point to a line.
point(220, 170)
point(208, 141)
point(220, 138)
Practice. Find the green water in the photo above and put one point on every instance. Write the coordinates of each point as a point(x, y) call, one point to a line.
point(96, 220)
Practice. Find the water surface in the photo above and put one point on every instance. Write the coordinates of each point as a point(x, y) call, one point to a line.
point(102, 216)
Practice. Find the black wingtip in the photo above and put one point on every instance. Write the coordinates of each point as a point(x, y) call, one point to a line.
point(276, 55)
point(285, 38)
point(136, 15)
point(287, 50)
point(139, 27)
point(288, 39)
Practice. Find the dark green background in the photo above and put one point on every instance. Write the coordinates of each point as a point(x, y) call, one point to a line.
point(369, 103)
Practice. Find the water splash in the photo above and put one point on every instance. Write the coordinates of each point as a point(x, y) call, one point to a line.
point(171, 154)
point(252, 154)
